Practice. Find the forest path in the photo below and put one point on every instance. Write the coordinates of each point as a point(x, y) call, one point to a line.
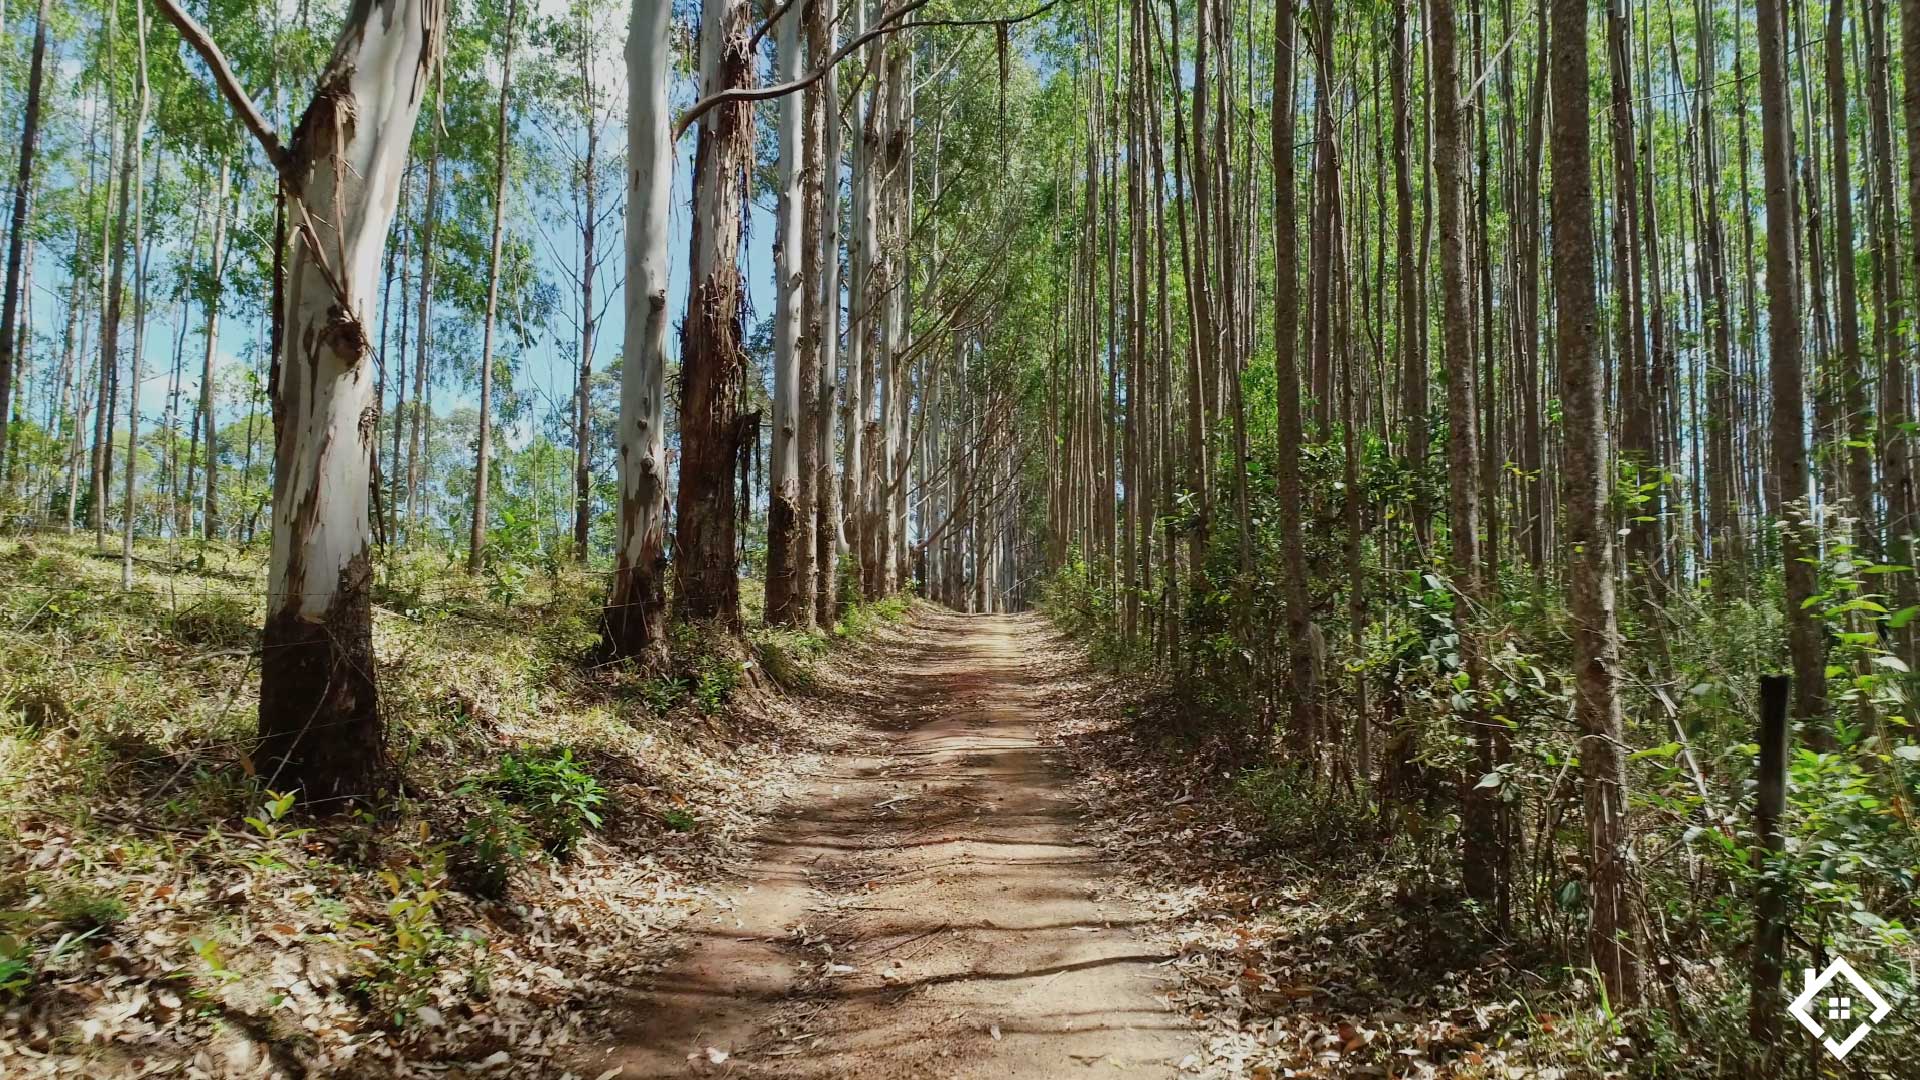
point(922, 909)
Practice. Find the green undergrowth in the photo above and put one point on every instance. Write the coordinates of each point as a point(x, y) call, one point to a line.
point(544, 796)
point(790, 657)
point(1384, 833)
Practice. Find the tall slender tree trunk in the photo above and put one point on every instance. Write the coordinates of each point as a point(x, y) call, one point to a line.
point(636, 611)
point(422, 341)
point(891, 500)
point(1722, 484)
point(1481, 855)
point(1584, 487)
point(483, 450)
point(1199, 476)
point(1896, 442)
point(130, 507)
point(786, 602)
point(589, 315)
point(110, 315)
point(862, 304)
point(1799, 542)
point(1303, 729)
point(1636, 394)
point(829, 541)
point(397, 480)
point(1858, 447)
point(1413, 357)
point(210, 504)
point(17, 231)
point(712, 361)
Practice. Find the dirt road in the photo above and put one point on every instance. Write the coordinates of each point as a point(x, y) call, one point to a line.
point(923, 909)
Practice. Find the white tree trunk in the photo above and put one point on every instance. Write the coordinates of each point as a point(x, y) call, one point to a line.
point(891, 495)
point(635, 618)
point(210, 506)
point(861, 294)
point(130, 509)
point(483, 452)
point(831, 536)
point(422, 342)
point(784, 534)
point(319, 713)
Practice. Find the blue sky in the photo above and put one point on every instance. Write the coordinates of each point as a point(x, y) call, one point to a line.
point(545, 368)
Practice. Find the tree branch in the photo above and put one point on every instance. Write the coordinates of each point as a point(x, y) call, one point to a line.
point(763, 93)
point(196, 35)
point(772, 21)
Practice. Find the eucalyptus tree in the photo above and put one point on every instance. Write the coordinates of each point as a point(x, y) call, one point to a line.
point(477, 534)
point(1790, 481)
point(17, 228)
point(789, 599)
point(1588, 533)
point(1286, 320)
point(634, 623)
point(712, 360)
point(129, 510)
point(320, 723)
point(205, 416)
point(1484, 868)
point(823, 129)
point(570, 177)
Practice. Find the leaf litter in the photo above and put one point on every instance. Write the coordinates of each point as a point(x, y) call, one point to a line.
point(172, 941)
point(1286, 968)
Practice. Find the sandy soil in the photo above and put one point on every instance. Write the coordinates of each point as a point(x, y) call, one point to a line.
point(922, 909)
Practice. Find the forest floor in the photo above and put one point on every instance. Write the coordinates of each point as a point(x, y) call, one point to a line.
point(927, 906)
point(157, 918)
point(931, 845)
point(1015, 868)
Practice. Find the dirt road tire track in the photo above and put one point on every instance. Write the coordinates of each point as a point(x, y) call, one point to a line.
point(922, 908)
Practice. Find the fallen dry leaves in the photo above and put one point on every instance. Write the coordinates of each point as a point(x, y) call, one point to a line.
point(1286, 970)
point(235, 955)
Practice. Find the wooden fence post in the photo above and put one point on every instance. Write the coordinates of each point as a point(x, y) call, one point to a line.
point(1770, 898)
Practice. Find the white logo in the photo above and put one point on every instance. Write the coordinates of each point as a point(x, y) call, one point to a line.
point(1839, 1006)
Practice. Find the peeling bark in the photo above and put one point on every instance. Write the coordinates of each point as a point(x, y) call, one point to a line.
point(635, 617)
point(712, 360)
point(320, 724)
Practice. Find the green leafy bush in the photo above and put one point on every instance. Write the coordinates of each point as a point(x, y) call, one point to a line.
point(495, 844)
point(704, 670)
point(714, 682)
point(560, 798)
point(787, 656)
point(862, 617)
point(406, 951)
point(16, 968)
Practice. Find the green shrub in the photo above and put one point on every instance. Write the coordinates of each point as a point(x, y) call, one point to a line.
point(407, 950)
point(663, 694)
point(559, 797)
point(495, 844)
point(787, 656)
point(16, 968)
point(863, 617)
point(715, 680)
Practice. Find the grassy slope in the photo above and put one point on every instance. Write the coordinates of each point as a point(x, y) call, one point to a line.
point(145, 922)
